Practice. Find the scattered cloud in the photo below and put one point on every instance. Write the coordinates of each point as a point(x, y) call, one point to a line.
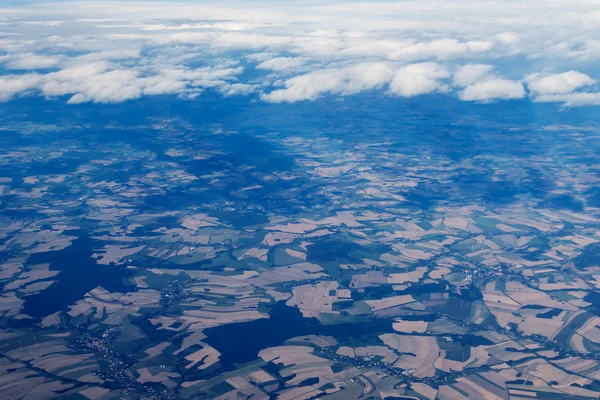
point(95, 52)
point(103, 82)
point(345, 81)
point(507, 38)
point(469, 74)
point(281, 63)
point(417, 79)
point(30, 61)
point(571, 99)
point(564, 83)
point(493, 89)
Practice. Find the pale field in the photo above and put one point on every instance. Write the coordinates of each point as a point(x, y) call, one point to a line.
point(443, 325)
point(109, 215)
point(34, 193)
point(378, 193)
point(318, 233)
point(296, 228)
point(345, 351)
point(155, 350)
point(196, 221)
point(498, 300)
point(590, 329)
point(94, 393)
point(294, 272)
point(51, 320)
point(10, 304)
point(296, 254)
point(253, 187)
point(238, 382)
point(417, 352)
point(544, 370)
point(116, 305)
point(525, 295)
point(387, 354)
point(532, 223)
point(312, 300)
point(369, 387)
point(413, 276)
point(424, 390)
point(347, 218)
point(329, 172)
point(315, 340)
point(32, 239)
point(200, 319)
point(576, 365)
point(439, 272)
point(474, 390)
point(580, 240)
point(115, 254)
point(477, 358)
point(368, 279)
point(180, 175)
point(397, 260)
point(569, 320)
point(53, 357)
point(578, 284)
point(369, 215)
point(161, 377)
point(377, 305)
point(299, 393)
point(80, 308)
point(290, 355)
point(31, 274)
point(507, 228)
point(531, 325)
point(47, 390)
point(275, 238)
point(56, 179)
point(410, 235)
point(299, 373)
point(199, 236)
point(499, 351)
point(576, 343)
point(448, 393)
point(478, 312)
point(412, 254)
point(410, 326)
point(459, 223)
point(260, 376)
point(260, 254)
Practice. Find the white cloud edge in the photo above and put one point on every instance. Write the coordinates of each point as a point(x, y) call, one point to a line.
point(362, 52)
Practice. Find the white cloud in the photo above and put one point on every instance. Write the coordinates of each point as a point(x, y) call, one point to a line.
point(493, 89)
point(417, 79)
point(571, 99)
point(507, 38)
point(281, 63)
point(471, 73)
point(110, 55)
point(346, 81)
point(563, 83)
point(102, 82)
point(13, 85)
point(107, 53)
point(406, 81)
point(31, 61)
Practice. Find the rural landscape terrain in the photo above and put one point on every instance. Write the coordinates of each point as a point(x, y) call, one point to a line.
point(312, 254)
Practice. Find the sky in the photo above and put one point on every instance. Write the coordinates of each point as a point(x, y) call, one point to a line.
point(284, 52)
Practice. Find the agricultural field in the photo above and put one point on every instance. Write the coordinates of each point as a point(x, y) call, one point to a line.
point(167, 259)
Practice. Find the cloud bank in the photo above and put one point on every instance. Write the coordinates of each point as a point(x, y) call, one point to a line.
point(108, 52)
